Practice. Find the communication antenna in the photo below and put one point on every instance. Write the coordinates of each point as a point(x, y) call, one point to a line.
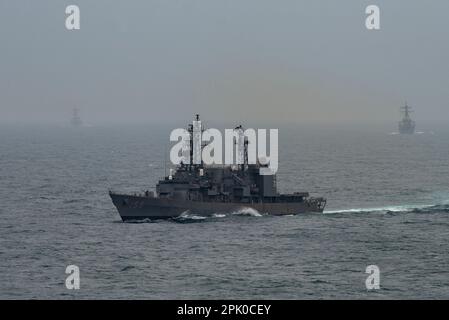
point(165, 160)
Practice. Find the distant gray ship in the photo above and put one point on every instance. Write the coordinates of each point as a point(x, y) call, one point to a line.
point(204, 190)
point(406, 125)
point(76, 119)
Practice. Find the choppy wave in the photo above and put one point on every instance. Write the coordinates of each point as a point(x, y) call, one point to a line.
point(434, 208)
point(186, 216)
point(247, 212)
point(218, 215)
point(146, 220)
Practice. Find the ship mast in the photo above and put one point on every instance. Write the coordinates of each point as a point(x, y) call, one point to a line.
point(406, 110)
point(195, 129)
point(243, 150)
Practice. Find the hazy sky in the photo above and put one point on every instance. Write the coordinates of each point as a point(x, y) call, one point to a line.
point(288, 60)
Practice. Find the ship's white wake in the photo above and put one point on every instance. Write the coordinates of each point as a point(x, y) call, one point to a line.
point(186, 216)
point(417, 132)
point(395, 209)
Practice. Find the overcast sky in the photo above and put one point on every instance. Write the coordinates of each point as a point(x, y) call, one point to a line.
point(289, 60)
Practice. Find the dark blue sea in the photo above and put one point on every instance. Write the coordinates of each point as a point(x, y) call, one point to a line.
point(388, 205)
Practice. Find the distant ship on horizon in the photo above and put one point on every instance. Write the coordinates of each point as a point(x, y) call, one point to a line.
point(406, 125)
point(76, 119)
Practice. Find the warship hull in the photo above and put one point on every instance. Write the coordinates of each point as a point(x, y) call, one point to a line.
point(404, 129)
point(137, 207)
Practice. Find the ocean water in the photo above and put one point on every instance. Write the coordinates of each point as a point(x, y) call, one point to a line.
point(388, 205)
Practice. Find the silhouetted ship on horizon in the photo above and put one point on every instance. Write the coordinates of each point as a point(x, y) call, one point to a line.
point(76, 119)
point(207, 190)
point(406, 125)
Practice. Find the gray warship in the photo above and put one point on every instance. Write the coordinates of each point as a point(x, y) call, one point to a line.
point(406, 125)
point(76, 119)
point(206, 190)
